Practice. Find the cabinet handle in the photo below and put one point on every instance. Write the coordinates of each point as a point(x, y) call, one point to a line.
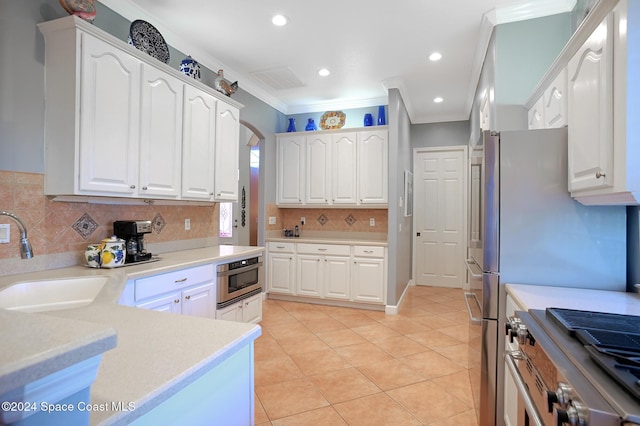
point(600, 174)
point(176, 301)
point(180, 281)
point(368, 251)
point(280, 247)
point(187, 297)
point(322, 249)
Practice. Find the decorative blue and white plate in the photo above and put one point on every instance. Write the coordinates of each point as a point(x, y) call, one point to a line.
point(144, 36)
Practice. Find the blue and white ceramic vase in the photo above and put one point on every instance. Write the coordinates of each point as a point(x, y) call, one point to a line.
point(292, 125)
point(368, 120)
point(381, 117)
point(311, 125)
point(190, 67)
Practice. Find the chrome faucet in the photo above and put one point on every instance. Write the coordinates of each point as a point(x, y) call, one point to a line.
point(26, 252)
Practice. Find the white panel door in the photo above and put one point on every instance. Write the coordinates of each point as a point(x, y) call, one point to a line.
point(439, 217)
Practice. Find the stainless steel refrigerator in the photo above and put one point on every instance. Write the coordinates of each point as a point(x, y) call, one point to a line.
point(533, 232)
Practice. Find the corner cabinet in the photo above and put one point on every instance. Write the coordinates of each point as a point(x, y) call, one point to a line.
point(604, 97)
point(333, 168)
point(119, 123)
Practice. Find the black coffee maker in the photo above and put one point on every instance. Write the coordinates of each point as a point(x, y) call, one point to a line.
point(132, 231)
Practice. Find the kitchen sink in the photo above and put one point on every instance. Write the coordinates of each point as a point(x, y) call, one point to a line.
point(51, 295)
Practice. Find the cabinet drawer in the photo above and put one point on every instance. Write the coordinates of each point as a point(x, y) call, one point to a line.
point(158, 284)
point(368, 251)
point(276, 247)
point(328, 249)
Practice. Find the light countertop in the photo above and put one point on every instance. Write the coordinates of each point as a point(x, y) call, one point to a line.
point(157, 353)
point(542, 297)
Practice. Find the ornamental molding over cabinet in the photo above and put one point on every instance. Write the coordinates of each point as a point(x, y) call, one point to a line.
point(135, 137)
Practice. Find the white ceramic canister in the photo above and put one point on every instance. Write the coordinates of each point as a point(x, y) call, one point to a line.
point(112, 253)
point(92, 255)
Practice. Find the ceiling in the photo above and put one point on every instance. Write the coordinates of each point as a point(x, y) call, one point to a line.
point(369, 47)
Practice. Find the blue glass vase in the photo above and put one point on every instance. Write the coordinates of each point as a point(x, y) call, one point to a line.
point(381, 117)
point(311, 125)
point(292, 125)
point(368, 120)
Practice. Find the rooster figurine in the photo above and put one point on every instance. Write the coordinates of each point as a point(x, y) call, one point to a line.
point(221, 85)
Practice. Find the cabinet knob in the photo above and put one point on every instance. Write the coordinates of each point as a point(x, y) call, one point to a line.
point(176, 301)
point(132, 186)
point(600, 174)
point(187, 297)
point(144, 188)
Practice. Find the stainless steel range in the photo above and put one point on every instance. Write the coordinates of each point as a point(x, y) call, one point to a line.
point(576, 367)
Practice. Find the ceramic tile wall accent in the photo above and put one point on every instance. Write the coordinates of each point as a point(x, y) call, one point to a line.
point(50, 223)
point(339, 220)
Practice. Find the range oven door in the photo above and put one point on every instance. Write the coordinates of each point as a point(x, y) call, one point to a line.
point(238, 280)
point(526, 413)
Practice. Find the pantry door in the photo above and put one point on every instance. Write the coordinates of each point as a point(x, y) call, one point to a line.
point(439, 216)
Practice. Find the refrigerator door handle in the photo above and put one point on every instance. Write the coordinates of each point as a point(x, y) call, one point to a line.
point(473, 268)
point(467, 297)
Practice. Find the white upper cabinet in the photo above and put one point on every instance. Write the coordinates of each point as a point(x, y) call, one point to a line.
point(373, 167)
point(119, 123)
point(535, 119)
point(198, 144)
point(590, 73)
point(108, 119)
point(555, 102)
point(344, 176)
point(227, 153)
point(318, 169)
point(160, 134)
point(291, 161)
point(345, 168)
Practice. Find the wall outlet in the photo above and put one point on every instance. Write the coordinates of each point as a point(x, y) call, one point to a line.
point(187, 224)
point(303, 220)
point(5, 233)
point(372, 221)
point(272, 220)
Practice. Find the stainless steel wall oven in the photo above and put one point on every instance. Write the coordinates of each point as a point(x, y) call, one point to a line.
point(238, 280)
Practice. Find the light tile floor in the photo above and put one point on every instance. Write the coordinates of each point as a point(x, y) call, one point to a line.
point(323, 365)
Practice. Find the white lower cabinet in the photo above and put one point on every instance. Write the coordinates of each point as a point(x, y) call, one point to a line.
point(248, 310)
point(328, 271)
point(190, 291)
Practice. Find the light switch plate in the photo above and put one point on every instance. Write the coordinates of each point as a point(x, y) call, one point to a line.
point(272, 220)
point(372, 221)
point(5, 233)
point(187, 224)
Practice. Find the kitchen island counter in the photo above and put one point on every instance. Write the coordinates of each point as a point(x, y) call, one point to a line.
point(159, 356)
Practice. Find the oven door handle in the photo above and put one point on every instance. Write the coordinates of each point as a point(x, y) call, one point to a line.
point(522, 388)
point(239, 270)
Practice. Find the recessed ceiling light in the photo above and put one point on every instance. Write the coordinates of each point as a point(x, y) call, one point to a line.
point(435, 56)
point(324, 72)
point(279, 20)
point(438, 100)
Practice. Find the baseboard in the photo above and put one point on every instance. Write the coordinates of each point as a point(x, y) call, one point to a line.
point(393, 309)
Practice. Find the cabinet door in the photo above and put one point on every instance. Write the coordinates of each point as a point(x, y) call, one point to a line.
point(109, 119)
point(373, 167)
point(590, 111)
point(290, 169)
point(343, 170)
point(170, 302)
point(160, 134)
point(310, 275)
point(281, 273)
point(368, 280)
point(252, 309)
point(555, 102)
point(226, 153)
point(318, 169)
point(536, 115)
point(198, 144)
point(230, 313)
point(199, 301)
point(337, 277)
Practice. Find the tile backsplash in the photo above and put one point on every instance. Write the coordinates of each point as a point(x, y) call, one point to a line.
point(329, 220)
point(60, 231)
